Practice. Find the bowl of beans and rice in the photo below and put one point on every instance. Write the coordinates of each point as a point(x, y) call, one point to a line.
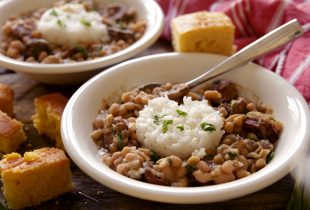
point(227, 139)
point(68, 41)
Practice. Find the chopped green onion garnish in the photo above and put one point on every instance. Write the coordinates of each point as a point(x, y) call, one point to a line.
point(180, 127)
point(180, 112)
point(119, 140)
point(270, 156)
point(156, 119)
point(122, 25)
point(81, 49)
point(232, 154)
point(190, 168)
point(207, 127)
point(165, 125)
point(85, 23)
point(252, 136)
point(54, 13)
point(154, 157)
point(61, 24)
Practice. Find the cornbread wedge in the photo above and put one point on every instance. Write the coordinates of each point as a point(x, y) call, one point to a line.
point(49, 110)
point(37, 177)
point(209, 32)
point(6, 99)
point(11, 133)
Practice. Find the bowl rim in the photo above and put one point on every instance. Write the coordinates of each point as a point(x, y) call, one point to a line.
point(149, 37)
point(143, 190)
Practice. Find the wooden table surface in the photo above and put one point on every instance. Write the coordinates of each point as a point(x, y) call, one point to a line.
point(88, 194)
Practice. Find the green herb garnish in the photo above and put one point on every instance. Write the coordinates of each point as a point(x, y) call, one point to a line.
point(207, 127)
point(122, 25)
point(156, 119)
point(61, 24)
point(270, 156)
point(85, 23)
point(165, 125)
point(99, 48)
point(119, 140)
point(154, 157)
point(232, 154)
point(180, 127)
point(252, 136)
point(54, 13)
point(81, 49)
point(180, 112)
point(190, 168)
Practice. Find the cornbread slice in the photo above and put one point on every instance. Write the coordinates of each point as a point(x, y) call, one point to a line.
point(6, 99)
point(204, 31)
point(11, 133)
point(38, 176)
point(49, 110)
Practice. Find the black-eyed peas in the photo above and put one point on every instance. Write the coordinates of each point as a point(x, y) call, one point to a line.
point(241, 152)
point(20, 30)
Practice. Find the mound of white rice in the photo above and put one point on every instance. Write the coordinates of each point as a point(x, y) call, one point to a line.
point(169, 129)
point(72, 24)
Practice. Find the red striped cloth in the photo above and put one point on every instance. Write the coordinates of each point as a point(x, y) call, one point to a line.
point(254, 18)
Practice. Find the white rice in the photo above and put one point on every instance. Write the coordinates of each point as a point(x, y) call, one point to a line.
point(175, 141)
point(72, 24)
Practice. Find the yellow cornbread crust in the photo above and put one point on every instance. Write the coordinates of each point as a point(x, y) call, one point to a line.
point(210, 32)
point(47, 119)
point(6, 99)
point(37, 177)
point(11, 133)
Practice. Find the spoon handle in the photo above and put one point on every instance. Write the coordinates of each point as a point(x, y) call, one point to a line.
point(267, 43)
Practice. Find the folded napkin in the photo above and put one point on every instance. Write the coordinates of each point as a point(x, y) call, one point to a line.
point(254, 18)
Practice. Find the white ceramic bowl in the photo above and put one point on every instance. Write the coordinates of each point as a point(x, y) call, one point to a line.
point(289, 107)
point(80, 71)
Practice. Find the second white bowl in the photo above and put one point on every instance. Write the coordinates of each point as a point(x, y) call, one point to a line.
point(81, 71)
point(289, 107)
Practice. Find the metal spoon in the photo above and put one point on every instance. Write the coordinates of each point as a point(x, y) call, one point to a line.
point(274, 39)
